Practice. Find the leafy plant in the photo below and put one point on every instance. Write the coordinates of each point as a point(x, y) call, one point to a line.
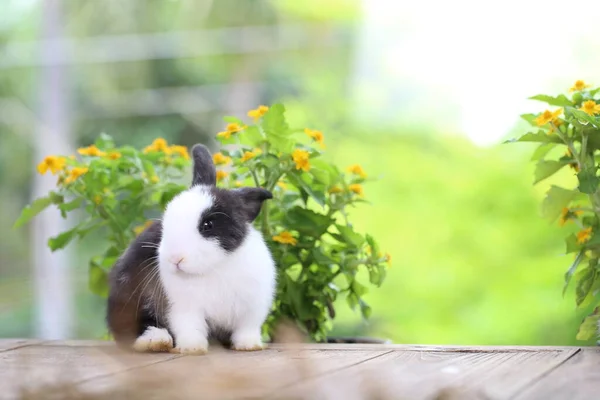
point(569, 137)
point(317, 251)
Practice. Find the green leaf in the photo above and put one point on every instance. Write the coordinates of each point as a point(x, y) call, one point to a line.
point(30, 211)
point(585, 280)
point(71, 205)
point(560, 100)
point(547, 168)
point(572, 270)
point(556, 199)
point(148, 168)
point(60, 241)
point(296, 179)
point(276, 128)
point(588, 181)
point(321, 176)
point(582, 116)
point(359, 288)
point(270, 161)
point(371, 242)
point(105, 142)
point(251, 136)
point(307, 221)
point(572, 245)
point(352, 300)
point(377, 274)
point(529, 118)
point(350, 237)
point(365, 309)
point(539, 136)
point(589, 328)
point(98, 280)
point(320, 257)
point(542, 150)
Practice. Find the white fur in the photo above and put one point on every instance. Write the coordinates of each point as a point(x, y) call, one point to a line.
point(154, 339)
point(234, 291)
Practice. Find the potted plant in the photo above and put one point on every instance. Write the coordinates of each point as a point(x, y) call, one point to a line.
point(568, 136)
point(317, 250)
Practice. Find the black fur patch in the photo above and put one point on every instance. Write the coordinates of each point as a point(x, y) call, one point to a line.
point(226, 220)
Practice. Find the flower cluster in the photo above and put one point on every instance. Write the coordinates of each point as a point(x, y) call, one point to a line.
point(568, 136)
point(305, 221)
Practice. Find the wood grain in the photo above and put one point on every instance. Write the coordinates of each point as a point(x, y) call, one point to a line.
point(9, 344)
point(490, 374)
point(308, 371)
point(242, 374)
point(576, 379)
point(36, 365)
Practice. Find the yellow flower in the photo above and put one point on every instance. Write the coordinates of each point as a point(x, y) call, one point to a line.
point(388, 258)
point(579, 86)
point(248, 155)
point(224, 134)
point(590, 107)
point(282, 185)
point(114, 155)
point(285, 238)
point(317, 136)
point(300, 157)
point(52, 163)
point(221, 175)
point(356, 188)
point(357, 170)
point(230, 129)
point(566, 214)
point(180, 151)
point(141, 228)
point(154, 179)
point(336, 189)
point(97, 199)
point(233, 127)
point(584, 235)
point(75, 173)
point(220, 159)
point(257, 113)
point(159, 144)
point(548, 116)
point(91, 151)
point(238, 184)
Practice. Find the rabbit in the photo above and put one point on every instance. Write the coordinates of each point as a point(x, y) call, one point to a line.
point(201, 272)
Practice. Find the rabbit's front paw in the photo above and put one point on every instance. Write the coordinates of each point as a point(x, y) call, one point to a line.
point(247, 342)
point(191, 346)
point(154, 340)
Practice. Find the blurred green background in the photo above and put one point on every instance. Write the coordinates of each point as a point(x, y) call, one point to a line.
point(473, 262)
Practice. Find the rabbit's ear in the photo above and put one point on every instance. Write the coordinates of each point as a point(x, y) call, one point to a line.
point(252, 199)
point(204, 168)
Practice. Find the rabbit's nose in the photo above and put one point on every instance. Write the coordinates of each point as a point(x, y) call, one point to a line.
point(176, 261)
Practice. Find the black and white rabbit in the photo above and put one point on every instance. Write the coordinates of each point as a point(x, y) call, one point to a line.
point(201, 272)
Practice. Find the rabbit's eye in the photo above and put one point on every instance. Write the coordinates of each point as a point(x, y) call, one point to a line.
point(206, 225)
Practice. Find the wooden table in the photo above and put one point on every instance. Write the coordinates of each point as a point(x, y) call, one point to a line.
point(306, 371)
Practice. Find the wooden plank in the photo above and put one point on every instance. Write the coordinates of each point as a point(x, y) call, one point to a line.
point(229, 374)
point(415, 374)
point(576, 379)
point(10, 344)
point(420, 347)
point(38, 365)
